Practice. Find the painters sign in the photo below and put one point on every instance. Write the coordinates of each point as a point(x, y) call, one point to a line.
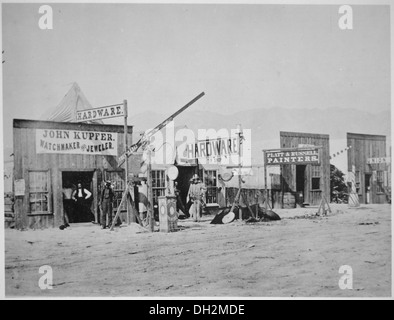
point(292, 156)
point(100, 113)
point(76, 142)
point(378, 160)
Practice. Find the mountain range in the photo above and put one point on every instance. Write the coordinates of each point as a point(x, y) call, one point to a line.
point(267, 123)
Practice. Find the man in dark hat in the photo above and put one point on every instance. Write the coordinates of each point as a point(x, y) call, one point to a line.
point(196, 195)
point(107, 198)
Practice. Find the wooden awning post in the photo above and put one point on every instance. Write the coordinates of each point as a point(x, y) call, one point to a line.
point(151, 218)
point(126, 162)
point(239, 171)
point(124, 197)
point(265, 184)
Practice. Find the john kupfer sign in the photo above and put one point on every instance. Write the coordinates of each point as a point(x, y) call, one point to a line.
point(292, 156)
point(100, 113)
point(76, 142)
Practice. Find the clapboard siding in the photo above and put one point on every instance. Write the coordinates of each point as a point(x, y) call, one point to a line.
point(57, 197)
point(293, 140)
point(27, 159)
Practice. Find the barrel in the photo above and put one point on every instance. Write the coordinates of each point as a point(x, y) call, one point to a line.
point(289, 200)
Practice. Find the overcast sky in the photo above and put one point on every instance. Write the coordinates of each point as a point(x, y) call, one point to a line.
point(159, 57)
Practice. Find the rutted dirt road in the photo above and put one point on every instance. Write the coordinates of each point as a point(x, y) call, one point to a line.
point(295, 257)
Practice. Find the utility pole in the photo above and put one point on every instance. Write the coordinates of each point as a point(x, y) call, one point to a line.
point(126, 162)
point(265, 184)
point(239, 127)
point(143, 140)
point(150, 208)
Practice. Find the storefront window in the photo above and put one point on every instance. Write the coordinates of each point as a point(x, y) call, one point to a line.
point(39, 192)
point(316, 174)
point(210, 181)
point(158, 184)
point(117, 179)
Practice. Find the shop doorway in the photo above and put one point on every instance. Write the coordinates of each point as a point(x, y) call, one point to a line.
point(368, 177)
point(183, 180)
point(76, 213)
point(300, 184)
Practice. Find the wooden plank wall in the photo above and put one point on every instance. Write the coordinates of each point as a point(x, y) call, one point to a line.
point(292, 140)
point(363, 147)
point(20, 218)
point(254, 196)
point(26, 158)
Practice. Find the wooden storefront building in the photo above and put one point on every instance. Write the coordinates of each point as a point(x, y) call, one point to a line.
point(48, 154)
point(367, 159)
point(306, 183)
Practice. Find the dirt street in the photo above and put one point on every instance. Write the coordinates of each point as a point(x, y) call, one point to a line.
point(299, 256)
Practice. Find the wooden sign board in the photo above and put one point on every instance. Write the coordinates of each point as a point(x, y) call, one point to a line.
point(130, 150)
point(378, 160)
point(101, 113)
point(76, 142)
point(292, 156)
point(212, 149)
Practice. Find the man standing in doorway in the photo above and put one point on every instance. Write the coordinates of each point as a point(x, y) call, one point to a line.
point(107, 198)
point(196, 195)
point(81, 196)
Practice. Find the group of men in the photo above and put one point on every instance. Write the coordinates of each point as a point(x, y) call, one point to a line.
point(76, 202)
point(195, 200)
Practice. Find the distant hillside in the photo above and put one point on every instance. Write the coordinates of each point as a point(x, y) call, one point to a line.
point(267, 123)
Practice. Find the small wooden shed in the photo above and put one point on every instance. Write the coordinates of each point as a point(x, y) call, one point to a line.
point(306, 182)
point(47, 154)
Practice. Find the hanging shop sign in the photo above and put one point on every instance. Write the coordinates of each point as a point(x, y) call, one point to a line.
point(378, 160)
point(187, 162)
point(292, 156)
point(212, 148)
point(117, 110)
point(76, 142)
